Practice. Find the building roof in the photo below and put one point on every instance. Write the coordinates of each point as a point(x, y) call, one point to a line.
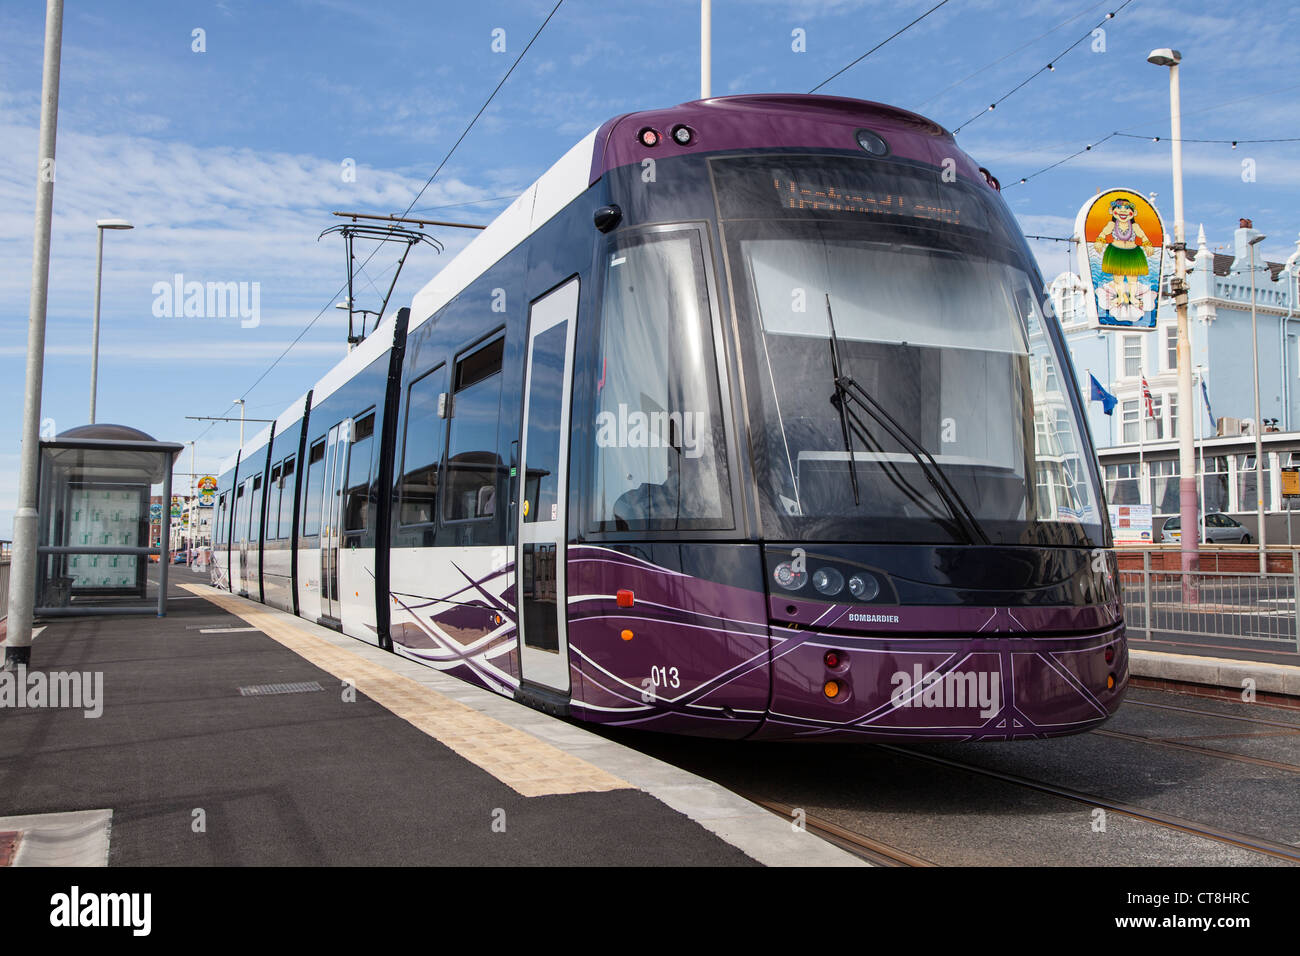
point(1223, 263)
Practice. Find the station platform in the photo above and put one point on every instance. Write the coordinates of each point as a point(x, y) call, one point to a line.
point(230, 733)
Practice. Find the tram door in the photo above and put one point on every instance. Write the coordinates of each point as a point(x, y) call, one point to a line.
point(331, 522)
point(543, 470)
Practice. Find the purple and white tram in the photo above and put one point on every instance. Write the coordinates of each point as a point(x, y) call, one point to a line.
point(745, 420)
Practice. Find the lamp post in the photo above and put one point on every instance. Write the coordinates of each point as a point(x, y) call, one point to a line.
point(240, 403)
point(1187, 501)
point(1259, 440)
point(101, 225)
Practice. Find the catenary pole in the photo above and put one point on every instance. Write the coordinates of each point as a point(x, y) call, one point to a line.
point(22, 581)
point(706, 49)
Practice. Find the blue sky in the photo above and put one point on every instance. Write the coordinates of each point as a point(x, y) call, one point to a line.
point(229, 161)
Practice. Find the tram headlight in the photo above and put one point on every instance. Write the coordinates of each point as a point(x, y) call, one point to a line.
point(864, 587)
point(790, 579)
point(872, 143)
point(828, 581)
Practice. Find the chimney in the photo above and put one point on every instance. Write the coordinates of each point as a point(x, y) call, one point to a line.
point(1241, 249)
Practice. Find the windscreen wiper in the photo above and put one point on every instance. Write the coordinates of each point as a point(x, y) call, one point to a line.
point(848, 389)
point(844, 416)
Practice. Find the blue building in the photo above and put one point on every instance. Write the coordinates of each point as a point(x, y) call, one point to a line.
point(1139, 451)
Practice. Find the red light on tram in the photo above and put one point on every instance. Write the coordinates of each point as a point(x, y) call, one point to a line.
point(625, 597)
point(832, 660)
point(649, 137)
point(1110, 655)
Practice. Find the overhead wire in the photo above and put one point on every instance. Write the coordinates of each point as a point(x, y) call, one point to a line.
point(1005, 56)
point(1049, 68)
point(892, 36)
point(408, 209)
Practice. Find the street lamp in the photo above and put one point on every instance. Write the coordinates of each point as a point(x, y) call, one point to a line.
point(240, 403)
point(101, 225)
point(1259, 439)
point(1187, 500)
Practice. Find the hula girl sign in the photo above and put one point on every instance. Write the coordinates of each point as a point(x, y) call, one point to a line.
point(1121, 243)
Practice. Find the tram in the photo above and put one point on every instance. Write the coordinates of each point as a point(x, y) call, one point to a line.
point(748, 419)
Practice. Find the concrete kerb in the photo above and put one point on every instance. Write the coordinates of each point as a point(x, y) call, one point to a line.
point(1216, 672)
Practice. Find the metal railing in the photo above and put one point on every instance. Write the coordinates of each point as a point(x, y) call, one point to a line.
point(1232, 605)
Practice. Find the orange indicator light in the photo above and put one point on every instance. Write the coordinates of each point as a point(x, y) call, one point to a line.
point(626, 635)
point(832, 689)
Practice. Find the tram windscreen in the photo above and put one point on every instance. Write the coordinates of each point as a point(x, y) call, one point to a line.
point(938, 320)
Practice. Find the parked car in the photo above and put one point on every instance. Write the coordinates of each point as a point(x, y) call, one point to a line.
point(1219, 529)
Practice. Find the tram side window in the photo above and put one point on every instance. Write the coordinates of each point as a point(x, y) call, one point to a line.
point(659, 460)
point(473, 465)
point(421, 451)
point(286, 497)
point(255, 511)
point(220, 535)
point(315, 488)
point(273, 504)
point(241, 514)
point(356, 506)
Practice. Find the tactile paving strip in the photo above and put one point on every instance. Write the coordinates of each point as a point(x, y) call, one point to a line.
point(527, 765)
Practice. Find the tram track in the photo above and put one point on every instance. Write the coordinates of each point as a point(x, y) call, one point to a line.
point(872, 850)
point(1171, 821)
point(1294, 727)
point(1204, 751)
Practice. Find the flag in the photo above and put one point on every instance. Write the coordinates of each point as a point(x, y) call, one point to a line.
point(1099, 394)
point(1205, 394)
point(1146, 394)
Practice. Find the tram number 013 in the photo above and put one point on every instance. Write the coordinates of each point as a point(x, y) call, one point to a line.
point(665, 677)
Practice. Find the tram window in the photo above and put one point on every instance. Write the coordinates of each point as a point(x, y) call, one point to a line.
point(221, 519)
point(286, 497)
point(315, 487)
point(241, 514)
point(421, 451)
point(255, 511)
point(273, 504)
point(659, 459)
point(472, 462)
point(356, 505)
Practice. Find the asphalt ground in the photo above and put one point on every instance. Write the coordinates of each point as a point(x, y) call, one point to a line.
point(303, 778)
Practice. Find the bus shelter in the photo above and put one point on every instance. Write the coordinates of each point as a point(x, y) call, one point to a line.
point(95, 545)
